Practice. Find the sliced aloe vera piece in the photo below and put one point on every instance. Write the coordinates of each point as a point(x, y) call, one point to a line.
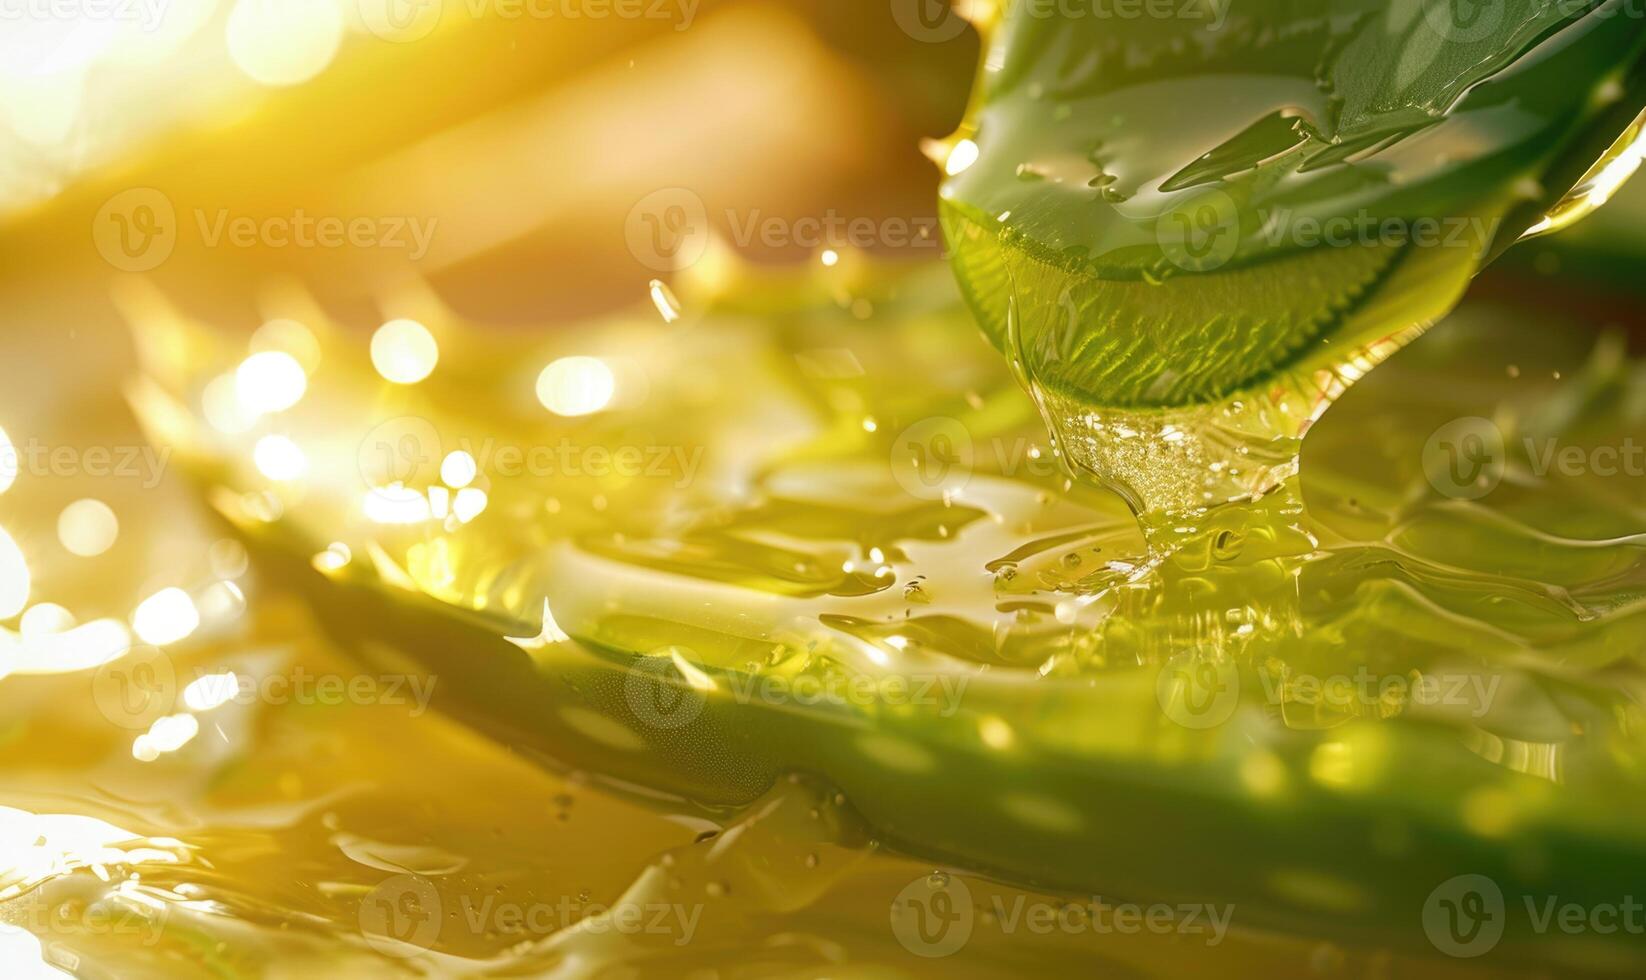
point(1188, 235)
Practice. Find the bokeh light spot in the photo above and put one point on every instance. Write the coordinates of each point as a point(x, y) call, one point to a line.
point(458, 469)
point(278, 458)
point(403, 351)
point(576, 386)
point(271, 381)
point(165, 617)
point(284, 42)
point(87, 528)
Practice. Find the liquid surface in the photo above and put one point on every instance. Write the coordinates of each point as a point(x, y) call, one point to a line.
point(887, 585)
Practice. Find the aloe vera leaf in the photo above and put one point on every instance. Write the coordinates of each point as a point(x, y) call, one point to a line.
point(1145, 223)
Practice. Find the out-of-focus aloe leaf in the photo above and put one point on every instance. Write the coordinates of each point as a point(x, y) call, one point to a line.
point(1152, 213)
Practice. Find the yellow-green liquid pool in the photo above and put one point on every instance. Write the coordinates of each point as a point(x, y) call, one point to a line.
point(871, 634)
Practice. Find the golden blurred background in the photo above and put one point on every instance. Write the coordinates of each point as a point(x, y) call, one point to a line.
point(233, 155)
